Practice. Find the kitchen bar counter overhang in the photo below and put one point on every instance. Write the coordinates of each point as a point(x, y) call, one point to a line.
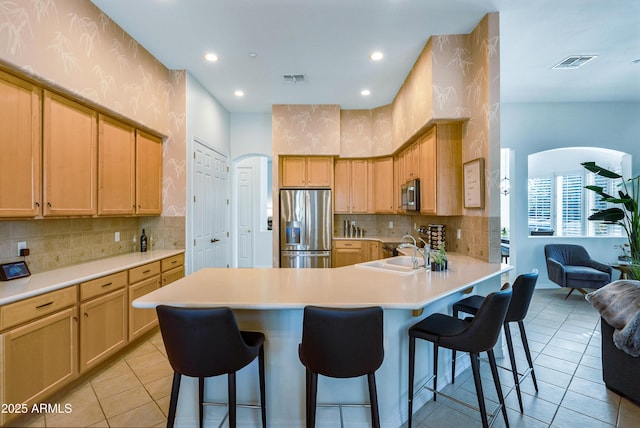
point(271, 301)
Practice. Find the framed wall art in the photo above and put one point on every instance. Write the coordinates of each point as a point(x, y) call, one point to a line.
point(473, 182)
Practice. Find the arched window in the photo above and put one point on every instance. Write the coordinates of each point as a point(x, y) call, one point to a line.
point(558, 203)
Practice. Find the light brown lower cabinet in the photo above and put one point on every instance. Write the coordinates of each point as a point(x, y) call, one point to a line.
point(38, 358)
point(103, 327)
point(142, 320)
point(45, 342)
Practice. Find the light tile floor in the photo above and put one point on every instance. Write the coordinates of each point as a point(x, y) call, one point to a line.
point(563, 336)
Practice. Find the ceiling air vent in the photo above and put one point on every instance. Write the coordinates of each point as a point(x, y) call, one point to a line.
point(574, 61)
point(294, 78)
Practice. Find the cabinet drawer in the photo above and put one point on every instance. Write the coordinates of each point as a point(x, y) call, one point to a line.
point(102, 285)
point(144, 272)
point(172, 275)
point(172, 262)
point(35, 307)
point(348, 244)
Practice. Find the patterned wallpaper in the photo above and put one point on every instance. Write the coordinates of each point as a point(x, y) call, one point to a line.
point(73, 47)
point(365, 133)
point(306, 129)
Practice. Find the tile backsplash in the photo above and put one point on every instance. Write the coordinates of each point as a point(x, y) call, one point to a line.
point(55, 243)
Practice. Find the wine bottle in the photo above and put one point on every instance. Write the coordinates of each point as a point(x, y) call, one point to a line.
point(143, 242)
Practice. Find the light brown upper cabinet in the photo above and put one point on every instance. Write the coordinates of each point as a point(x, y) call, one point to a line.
point(383, 185)
point(116, 168)
point(306, 171)
point(351, 186)
point(440, 151)
point(148, 174)
point(70, 157)
point(20, 143)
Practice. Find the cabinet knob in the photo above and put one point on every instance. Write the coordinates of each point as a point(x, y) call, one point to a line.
point(86, 315)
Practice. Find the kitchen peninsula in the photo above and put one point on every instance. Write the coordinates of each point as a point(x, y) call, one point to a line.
point(271, 300)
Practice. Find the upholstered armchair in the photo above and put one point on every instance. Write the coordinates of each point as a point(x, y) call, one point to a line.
point(571, 266)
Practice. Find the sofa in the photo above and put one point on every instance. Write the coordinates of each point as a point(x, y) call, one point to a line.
point(619, 306)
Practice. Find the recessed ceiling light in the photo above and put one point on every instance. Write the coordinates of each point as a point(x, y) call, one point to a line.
point(365, 92)
point(376, 56)
point(238, 93)
point(253, 54)
point(211, 57)
point(636, 61)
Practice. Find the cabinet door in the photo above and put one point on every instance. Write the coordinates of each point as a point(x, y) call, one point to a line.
point(39, 357)
point(428, 173)
point(116, 168)
point(359, 185)
point(383, 183)
point(148, 174)
point(20, 138)
point(142, 320)
point(293, 171)
point(103, 328)
point(70, 152)
point(319, 171)
point(342, 190)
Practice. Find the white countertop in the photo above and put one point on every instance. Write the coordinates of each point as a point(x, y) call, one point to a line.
point(274, 288)
point(21, 288)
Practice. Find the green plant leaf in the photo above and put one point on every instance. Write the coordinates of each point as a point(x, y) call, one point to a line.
point(610, 215)
point(599, 190)
point(596, 169)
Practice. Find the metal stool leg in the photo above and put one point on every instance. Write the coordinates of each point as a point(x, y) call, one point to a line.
point(435, 371)
point(263, 402)
point(475, 367)
point(373, 399)
point(514, 368)
point(231, 381)
point(173, 403)
point(525, 343)
point(496, 380)
point(201, 401)
point(412, 360)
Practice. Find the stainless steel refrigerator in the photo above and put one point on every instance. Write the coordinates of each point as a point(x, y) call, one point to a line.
point(306, 228)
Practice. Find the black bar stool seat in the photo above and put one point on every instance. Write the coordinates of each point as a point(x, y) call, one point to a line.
point(523, 288)
point(206, 342)
point(341, 343)
point(479, 334)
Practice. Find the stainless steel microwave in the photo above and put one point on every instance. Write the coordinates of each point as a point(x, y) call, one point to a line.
point(410, 195)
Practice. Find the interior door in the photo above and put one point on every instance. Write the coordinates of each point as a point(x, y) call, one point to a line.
point(210, 209)
point(245, 215)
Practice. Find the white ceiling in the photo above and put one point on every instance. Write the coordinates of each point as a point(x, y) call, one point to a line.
point(329, 41)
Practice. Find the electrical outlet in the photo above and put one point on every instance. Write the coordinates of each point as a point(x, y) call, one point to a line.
point(117, 236)
point(21, 246)
point(390, 225)
point(459, 233)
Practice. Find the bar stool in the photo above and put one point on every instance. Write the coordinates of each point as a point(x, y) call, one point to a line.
point(480, 334)
point(523, 288)
point(341, 343)
point(206, 342)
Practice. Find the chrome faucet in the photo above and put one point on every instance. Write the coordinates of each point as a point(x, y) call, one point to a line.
point(410, 237)
point(425, 251)
point(414, 259)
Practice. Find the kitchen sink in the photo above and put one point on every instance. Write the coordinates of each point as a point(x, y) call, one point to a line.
point(400, 265)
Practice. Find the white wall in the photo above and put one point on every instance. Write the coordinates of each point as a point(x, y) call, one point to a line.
point(531, 128)
point(208, 122)
point(251, 145)
point(250, 134)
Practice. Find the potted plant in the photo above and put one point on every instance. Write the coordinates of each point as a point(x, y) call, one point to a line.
point(624, 213)
point(439, 259)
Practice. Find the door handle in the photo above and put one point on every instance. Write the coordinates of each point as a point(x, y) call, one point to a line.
point(214, 240)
